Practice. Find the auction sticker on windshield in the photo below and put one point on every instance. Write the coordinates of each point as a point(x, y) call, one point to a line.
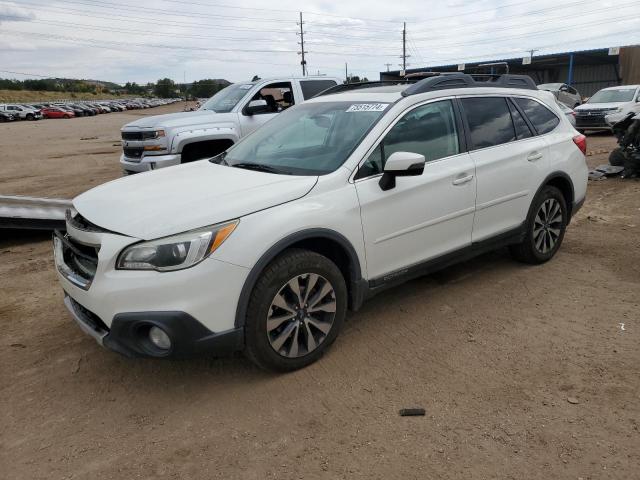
point(367, 107)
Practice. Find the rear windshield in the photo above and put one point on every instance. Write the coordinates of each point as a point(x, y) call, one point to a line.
point(613, 96)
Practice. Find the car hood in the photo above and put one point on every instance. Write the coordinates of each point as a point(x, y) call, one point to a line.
point(599, 106)
point(181, 119)
point(177, 199)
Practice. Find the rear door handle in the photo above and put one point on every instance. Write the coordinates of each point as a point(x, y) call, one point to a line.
point(533, 156)
point(463, 180)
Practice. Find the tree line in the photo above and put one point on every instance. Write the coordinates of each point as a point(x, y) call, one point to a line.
point(164, 88)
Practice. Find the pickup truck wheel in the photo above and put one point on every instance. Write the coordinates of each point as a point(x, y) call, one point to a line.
point(295, 312)
point(546, 225)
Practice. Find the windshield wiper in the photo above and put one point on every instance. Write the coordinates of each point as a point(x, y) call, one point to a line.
point(219, 159)
point(259, 167)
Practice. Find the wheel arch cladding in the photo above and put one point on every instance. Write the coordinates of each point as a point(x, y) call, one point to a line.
point(562, 182)
point(325, 242)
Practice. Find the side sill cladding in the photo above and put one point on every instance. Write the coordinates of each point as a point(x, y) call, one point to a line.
point(356, 285)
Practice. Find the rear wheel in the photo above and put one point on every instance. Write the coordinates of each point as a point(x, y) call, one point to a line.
point(546, 225)
point(295, 311)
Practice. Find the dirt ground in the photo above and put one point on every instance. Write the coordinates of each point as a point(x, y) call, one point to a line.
point(524, 372)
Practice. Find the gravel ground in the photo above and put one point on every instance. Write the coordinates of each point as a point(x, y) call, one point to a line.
point(524, 372)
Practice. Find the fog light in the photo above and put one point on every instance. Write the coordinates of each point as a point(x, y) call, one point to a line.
point(159, 338)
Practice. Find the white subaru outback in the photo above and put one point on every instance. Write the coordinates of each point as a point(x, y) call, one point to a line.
point(264, 247)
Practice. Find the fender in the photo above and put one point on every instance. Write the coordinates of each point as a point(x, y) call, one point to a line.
point(220, 132)
point(358, 286)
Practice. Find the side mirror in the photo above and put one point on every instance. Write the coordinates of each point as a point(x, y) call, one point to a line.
point(401, 164)
point(256, 106)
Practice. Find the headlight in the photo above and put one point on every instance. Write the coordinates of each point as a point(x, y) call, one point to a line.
point(153, 134)
point(176, 252)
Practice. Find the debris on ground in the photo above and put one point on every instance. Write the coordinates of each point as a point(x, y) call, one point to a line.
point(573, 400)
point(412, 412)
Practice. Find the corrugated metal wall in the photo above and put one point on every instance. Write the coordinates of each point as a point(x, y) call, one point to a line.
point(630, 65)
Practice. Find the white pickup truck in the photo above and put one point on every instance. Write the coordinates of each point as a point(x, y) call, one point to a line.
point(165, 140)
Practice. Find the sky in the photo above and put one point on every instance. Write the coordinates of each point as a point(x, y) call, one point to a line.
point(187, 40)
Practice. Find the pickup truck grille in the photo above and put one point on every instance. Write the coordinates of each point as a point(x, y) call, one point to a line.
point(133, 152)
point(132, 136)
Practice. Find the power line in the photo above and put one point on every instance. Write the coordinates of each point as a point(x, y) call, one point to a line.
point(532, 34)
point(146, 20)
point(583, 13)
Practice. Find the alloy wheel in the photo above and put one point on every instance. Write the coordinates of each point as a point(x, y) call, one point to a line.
point(547, 226)
point(301, 315)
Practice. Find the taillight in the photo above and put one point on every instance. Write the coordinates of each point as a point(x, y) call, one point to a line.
point(581, 143)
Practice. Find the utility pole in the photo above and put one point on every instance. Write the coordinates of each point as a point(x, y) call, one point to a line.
point(404, 49)
point(302, 52)
point(346, 72)
point(388, 65)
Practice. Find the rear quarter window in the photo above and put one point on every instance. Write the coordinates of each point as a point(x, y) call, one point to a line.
point(543, 119)
point(313, 87)
point(489, 121)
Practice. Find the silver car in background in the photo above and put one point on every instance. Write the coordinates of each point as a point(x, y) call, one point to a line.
point(564, 93)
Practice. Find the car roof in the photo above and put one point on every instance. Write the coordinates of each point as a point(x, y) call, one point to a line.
point(393, 93)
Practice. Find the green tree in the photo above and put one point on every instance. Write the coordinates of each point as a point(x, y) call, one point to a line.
point(165, 88)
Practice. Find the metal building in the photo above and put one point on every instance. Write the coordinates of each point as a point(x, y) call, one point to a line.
point(586, 70)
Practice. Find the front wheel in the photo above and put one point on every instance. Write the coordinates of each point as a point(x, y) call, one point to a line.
point(30, 116)
point(617, 157)
point(295, 312)
point(546, 225)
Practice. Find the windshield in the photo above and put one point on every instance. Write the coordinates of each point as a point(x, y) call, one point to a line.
point(309, 139)
point(227, 98)
point(612, 96)
point(550, 86)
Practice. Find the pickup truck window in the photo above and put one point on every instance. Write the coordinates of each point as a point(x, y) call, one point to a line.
point(313, 87)
point(226, 99)
point(309, 139)
point(279, 96)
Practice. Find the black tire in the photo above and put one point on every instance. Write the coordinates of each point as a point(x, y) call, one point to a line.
point(292, 265)
point(30, 116)
point(531, 250)
point(617, 157)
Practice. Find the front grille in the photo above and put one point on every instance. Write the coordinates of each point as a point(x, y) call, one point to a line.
point(132, 136)
point(88, 317)
point(133, 152)
point(81, 259)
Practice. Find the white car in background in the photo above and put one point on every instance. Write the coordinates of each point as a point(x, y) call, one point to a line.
point(607, 106)
point(21, 111)
point(264, 247)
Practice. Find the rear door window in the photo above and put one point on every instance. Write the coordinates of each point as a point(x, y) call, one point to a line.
point(522, 129)
point(543, 119)
point(313, 87)
point(489, 121)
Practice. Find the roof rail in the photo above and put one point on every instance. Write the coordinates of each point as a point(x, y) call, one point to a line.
point(464, 80)
point(358, 85)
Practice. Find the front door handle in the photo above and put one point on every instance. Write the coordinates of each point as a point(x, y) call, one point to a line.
point(463, 180)
point(533, 156)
